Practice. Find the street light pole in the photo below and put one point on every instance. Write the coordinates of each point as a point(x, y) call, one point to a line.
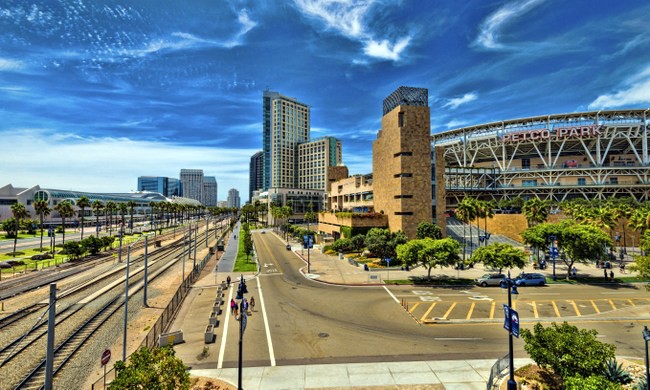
point(510, 285)
point(646, 337)
point(552, 238)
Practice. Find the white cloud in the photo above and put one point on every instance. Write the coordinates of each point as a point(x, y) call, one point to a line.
point(113, 164)
point(347, 18)
point(455, 102)
point(454, 123)
point(635, 90)
point(10, 65)
point(490, 28)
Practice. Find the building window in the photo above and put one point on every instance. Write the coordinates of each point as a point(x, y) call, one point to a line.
point(400, 119)
point(403, 175)
point(582, 181)
point(403, 213)
point(613, 180)
point(403, 196)
point(403, 154)
point(529, 183)
point(525, 163)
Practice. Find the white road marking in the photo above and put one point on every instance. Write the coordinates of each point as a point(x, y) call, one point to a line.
point(483, 298)
point(457, 338)
point(391, 294)
point(615, 292)
point(543, 293)
point(266, 325)
point(222, 349)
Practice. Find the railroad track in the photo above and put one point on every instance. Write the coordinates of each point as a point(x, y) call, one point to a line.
point(66, 350)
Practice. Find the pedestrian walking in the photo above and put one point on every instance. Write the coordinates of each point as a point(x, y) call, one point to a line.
point(233, 307)
point(574, 272)
point(252, 303)
point(244, 305)
point(228, 280)
point(605, 272)
point(611, 275)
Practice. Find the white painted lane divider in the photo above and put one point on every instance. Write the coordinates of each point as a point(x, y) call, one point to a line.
point(266, 324)
point(391, 294)
point(224, 336)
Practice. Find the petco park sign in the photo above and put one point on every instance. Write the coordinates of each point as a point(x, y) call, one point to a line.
point(588, 131)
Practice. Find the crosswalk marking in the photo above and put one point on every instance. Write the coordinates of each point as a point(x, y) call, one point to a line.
point(535, 309)
point(492, 310)
point(446, 316)
point(426, 315)
point(471, 309)
point(631, 303)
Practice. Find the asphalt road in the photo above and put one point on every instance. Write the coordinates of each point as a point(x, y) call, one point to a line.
point(308, 322)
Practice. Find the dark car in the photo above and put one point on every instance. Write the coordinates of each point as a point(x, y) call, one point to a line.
point(288, 247)
point(530, 280)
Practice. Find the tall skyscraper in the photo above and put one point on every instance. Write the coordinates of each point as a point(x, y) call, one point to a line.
point(209, 191)
point(192, 182)
point(285, 124)
point(255, 174)
point(167, 186)
point(314, 157)
point(233, 198)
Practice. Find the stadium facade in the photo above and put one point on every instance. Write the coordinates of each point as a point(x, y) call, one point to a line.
point(590, 155)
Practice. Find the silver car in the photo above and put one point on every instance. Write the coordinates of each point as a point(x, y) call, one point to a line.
point(490, 280)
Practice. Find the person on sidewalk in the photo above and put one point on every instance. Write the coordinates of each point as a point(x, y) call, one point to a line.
point(252, 304)
point(228, 280)
point(611, 275)
point(574, 272)
point(233, 307)
point(605, 272)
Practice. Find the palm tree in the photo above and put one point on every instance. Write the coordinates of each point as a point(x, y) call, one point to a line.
point(82, 203)
point(153, 206)
point(469, 210)
point(65, 210)
point(98, 206)
point(131, 206)
point(110, 208)
point(42, 208)
point(535, 210)
point(123, 209)
point(19, 212)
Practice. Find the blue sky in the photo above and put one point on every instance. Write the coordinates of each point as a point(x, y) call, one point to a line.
point(94, 94)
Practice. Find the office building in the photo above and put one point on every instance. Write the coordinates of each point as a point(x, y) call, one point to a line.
point(285, 125)
point(314, 159)
point(167, 186)
point(255, 174)
point(233, 198)
point(192, 182)
point(209, 191)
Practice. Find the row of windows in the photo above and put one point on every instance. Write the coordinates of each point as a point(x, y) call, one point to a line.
point(403, 196)
point(402, 175)
point(400, 154)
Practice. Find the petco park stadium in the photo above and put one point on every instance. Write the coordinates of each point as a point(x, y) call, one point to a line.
point(598, 154)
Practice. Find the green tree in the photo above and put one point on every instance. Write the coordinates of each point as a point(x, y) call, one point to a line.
point(65, 211)
point(19, 212)
point(122, 208)
point(110, 208)
point(428, 229)
point(499, 256)
point(151, 369)
point(358, 242)
point(10, 226)
point(429, 253)
point(582, 243)
point(535, 210)
point(382, 243)
point(74, 249)
point(567, 350)
point(92, 244)
point(131, 206)
point(83, 203)
point(42, 208)
point(97, 206)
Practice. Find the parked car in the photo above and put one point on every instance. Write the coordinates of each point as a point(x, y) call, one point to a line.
point(530, 280)
point(490, 280)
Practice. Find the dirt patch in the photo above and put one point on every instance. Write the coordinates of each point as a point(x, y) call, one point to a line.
point(534, 377)
point(203, 383)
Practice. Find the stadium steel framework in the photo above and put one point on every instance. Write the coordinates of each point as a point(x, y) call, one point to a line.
point(590, 155)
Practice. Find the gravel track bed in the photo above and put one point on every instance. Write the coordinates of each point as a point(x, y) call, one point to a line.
point(19, 367)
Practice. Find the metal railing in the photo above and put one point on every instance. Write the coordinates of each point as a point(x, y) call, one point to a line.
point(496, 372)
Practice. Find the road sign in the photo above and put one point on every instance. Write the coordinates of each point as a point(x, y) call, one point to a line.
point(514, 323)
point(388, 262)
point(106, 357)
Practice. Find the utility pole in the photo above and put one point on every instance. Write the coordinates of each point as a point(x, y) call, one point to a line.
point(49, 360)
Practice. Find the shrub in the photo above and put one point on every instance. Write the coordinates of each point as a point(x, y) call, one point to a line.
point(342, 245)
point(594, 382)
point(615, 372)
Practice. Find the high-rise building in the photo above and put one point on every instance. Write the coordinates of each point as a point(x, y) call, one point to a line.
point(167, 186)
point(401, 160)
point(233, 198)
point(314, 158)
point(209, 191)
point(192, 182)
point(255, 174)
point(285, 124)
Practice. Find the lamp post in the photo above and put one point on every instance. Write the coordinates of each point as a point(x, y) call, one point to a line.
point(553, 253)
point(509, 284)
point(646, 337)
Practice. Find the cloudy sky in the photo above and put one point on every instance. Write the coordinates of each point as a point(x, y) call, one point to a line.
point(94, 94)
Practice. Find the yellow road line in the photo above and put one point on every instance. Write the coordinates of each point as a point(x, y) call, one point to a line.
point(414, 306)
point(449, 311)
point(535, 309)
point(266, 247)
point(612, 303)
point(471, 309)
point(557, 312)
point(492, 310)
point(595, 307)
point(631, 303)
point(426, 315)
point(514, 305)
point(575, 307)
